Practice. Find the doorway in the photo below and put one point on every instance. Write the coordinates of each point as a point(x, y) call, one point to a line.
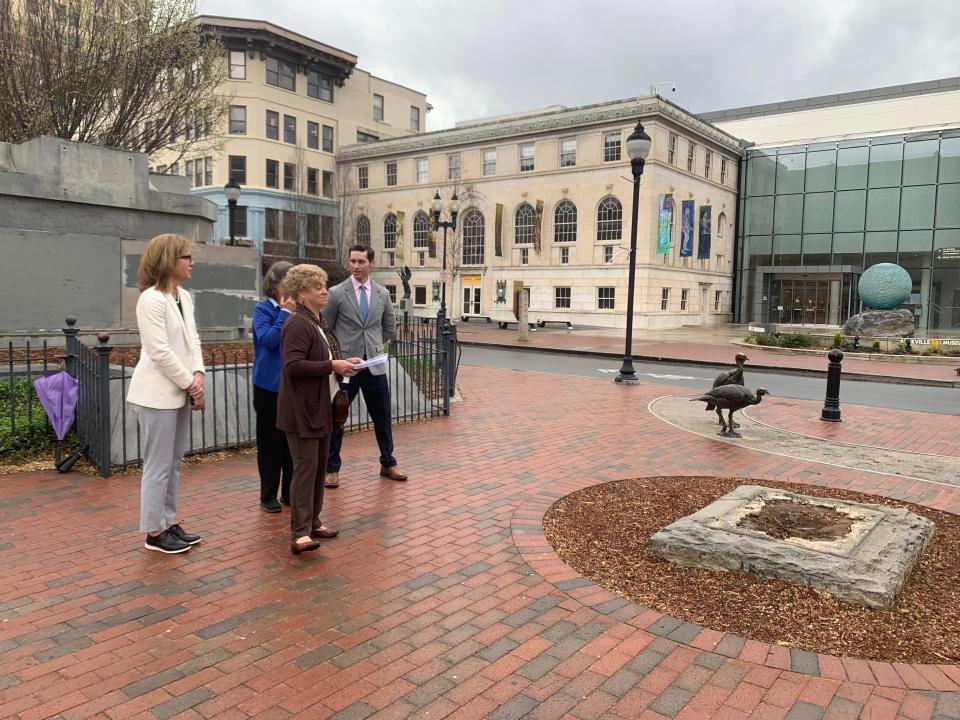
point(471, 300)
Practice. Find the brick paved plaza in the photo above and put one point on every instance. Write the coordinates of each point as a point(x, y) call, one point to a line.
point(440, 598)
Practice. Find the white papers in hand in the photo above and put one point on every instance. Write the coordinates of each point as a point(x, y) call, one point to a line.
point(378, 360)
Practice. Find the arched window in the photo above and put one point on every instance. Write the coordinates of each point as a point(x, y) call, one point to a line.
point(609, 219)
point(421, 230)
point(523, 224)
point(473, 237)
point(565, 222)
point(390, 232)
point(721, 224)
point(363, 230)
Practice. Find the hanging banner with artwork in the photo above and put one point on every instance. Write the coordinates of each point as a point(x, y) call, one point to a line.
point(399, 248)
point(537, 223)
point(664, 222)
point(703, 247)
point(498, 232)
point(686, 228)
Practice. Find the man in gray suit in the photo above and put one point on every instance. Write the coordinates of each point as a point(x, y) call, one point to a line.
point(360, 314)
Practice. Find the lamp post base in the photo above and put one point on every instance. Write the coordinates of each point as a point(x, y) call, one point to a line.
point(627, 380)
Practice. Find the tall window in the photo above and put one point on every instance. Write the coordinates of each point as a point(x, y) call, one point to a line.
point(240, 221)
point(289, 176)
point(422, 169)
point(390, 231)
point(271, 218)
point(608, 253)
point(568, 152)
point(565, 222)
point(561, 297)
point(290, 129)
point(313, 228)
point(523, 224)
point(273, 171)
point(311, 181)
point(526, 157)
point(238, 120)
point(415, 118)
point(313, 135)
point(609, 219)
point(208, 169)
point(717, 297)
point(707, 161)
point(320, 86)
point(565, 256)
point(273, 125)
point(665, 298)
point(188, 168)
point(378, 107)
point(238, 65)
point(672, 149)
point(327, 138)
point(525, 256)
point(473, 237)
point(489, 162)
point(721, 224)
point(281, 74)
point(691, 155)
point(606, 298)
point(684, 297)
point(723, 170)
point(391, 174)
point(327, 184)
point(421, 230)
point(453, 166)
point(362, 234)
point(363, 179)
point(611, 147)
point(238, 168)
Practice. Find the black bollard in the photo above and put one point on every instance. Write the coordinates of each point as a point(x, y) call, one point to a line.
point(831, 404)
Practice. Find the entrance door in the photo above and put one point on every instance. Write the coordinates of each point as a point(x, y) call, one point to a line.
point(471, 300)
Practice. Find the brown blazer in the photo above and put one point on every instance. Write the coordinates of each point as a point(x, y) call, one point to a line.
point(303, 403)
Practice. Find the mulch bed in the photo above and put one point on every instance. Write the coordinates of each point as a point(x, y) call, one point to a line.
point(218, 353)
point(602, 533)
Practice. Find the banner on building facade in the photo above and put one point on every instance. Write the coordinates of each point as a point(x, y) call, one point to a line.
point(664, 222)
point(686, 228)
point(537, 223)
point(399, 247)
point(498, 232)
point(703, 247)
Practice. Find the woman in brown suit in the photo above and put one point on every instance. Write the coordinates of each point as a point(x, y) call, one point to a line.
point(310, 362)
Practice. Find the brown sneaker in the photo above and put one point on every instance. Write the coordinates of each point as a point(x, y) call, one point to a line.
point(392, 472)
point(332, 480)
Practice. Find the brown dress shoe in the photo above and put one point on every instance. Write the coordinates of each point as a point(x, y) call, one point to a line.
point(332, 480)
point(391, 472)
point(298, 547)
point(324, 532)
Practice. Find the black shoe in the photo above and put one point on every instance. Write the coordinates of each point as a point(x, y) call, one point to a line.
point(188, 538)
point(272, 506)
point(166, 542)
point(284, 501)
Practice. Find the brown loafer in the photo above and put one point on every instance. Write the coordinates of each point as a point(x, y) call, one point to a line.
point(392, 473)
point(298, 547)
point(324, 532)
point(332, 480)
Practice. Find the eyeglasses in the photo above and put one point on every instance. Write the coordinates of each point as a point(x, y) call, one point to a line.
point(188, 258)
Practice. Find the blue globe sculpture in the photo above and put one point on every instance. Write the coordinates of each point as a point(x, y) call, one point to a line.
point(884, 286)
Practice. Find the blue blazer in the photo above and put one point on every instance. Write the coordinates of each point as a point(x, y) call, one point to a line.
point(268, 320)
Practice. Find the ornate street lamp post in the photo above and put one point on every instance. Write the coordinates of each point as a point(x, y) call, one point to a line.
point(452, 209)
point(638, 147)
point(232, 191)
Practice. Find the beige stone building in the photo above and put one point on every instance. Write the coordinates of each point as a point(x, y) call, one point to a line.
point(560, 176)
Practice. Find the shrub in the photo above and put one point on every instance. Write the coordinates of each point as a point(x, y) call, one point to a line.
point(785, 340)
point(27, 430)
point(876, 345)
point(837, 340)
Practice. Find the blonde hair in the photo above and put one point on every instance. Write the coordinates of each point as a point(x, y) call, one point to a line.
point(160, 259)
point(303, 276)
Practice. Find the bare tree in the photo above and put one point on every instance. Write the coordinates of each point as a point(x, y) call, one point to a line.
point(136, 75)
point(348, 212)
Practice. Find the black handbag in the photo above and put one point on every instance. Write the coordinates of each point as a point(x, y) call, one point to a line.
point(341, 408)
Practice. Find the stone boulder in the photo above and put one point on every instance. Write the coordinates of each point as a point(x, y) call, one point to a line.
point(881, 323)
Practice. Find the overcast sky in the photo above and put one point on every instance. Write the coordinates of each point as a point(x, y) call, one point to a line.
point(491, 57)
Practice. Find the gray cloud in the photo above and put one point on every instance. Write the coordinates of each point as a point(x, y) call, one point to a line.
point(479, 59)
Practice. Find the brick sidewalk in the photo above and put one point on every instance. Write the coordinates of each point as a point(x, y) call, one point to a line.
point(439, 599)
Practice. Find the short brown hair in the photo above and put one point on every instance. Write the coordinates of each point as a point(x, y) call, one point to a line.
point(364, 248)
point(274, 278)
point(159, 260)
point(303, 276)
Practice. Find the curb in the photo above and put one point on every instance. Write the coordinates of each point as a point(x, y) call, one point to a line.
point(864, 377)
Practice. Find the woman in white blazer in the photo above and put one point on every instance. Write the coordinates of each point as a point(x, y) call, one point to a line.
point(166, 384)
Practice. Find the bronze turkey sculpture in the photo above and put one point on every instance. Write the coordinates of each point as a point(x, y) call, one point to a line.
point(730, 377)
point(730, 398)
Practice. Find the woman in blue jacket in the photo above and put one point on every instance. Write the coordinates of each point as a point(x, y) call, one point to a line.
point(273, 456)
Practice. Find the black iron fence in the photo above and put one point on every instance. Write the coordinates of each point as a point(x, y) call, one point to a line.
point(23, 424)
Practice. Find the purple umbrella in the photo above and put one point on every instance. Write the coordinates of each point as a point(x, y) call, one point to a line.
point(57, 393)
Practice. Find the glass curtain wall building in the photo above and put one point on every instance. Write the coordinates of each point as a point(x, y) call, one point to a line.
point(814, 217)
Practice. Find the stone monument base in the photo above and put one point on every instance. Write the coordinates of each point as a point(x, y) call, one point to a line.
point(880, 323)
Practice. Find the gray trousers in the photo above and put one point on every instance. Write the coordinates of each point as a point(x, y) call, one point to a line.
point(164, 437)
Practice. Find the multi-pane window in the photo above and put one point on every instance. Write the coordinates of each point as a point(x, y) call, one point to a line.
point(611, 147)
point(421, 230)
point(489, 166)
point(707, 161)
point(473, 237)
point(208, 169)
point(564, 256)
point(311, 181)
point(606, 298)
point(188, 170)
point(326, 235)
point(313, 228)
point(453, 166)
point(672, 149)
point(568, 152)
point(691, 155)
point(608, 253)
point(238, 65)
point(281, 74)
point(363, 178)
point(238, 120)
point(422, 168)
point(238, 168)
point(420, 295)
point(365, 137)
point(320, 86)
point(684, 296)
point(717, 297)
point(327, 138)
point(565, 222)
point(290, 129)
point(378, 107)
point(392, 292)
point(561, 297)
point(523, 224)
point(390, 231)
point(526, 157)
point(415, 118)
point(240, 221)
point(273, 125)
point(524, 256)
point(313, 135)
point(362, 234)
point(391, 259)
point(289, 176)
point(291, 231)
point(665, 298)
point(721, 224)
point(723, 170)
point(327, 183)
point(271, 219)
point(391, 174)
point(421, 258)
point(609, 219)
point(273, 171)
